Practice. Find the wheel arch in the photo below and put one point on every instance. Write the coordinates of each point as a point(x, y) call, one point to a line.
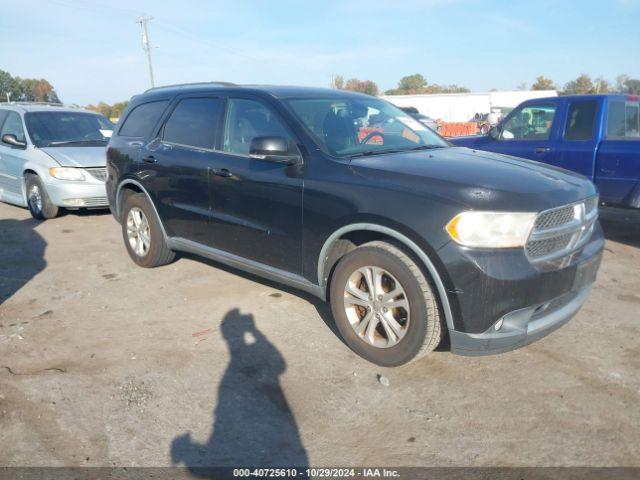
point(132, 185)
point(341, 242)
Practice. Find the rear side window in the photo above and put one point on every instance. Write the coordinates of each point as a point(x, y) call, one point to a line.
point(194, 123)
point(623, 120)
point(142, 119)
point(580, 120)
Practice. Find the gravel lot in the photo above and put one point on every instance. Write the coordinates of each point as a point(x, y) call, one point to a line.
point(104, 363)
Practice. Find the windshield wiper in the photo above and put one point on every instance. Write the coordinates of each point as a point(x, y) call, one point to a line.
point(75, 142)
point(368, 153)
point(425, 147)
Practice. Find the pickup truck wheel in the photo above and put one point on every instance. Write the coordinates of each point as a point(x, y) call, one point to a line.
point(142, 233)
point(384, 306)
point(38, 201)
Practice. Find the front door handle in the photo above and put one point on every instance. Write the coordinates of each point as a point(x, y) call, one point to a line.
point(221, 172)
point(541, 150)
point(149, 159)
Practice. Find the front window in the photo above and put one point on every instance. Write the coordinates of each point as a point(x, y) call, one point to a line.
point(529, 123)
point(61, 129)
point(362, 126)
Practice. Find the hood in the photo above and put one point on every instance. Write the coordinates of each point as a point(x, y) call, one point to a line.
point(78, 156)
point(478, 180)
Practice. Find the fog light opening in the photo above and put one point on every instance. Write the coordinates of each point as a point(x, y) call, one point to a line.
point(498, 324)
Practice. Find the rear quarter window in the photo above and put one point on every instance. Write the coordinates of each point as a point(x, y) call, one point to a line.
point(142, 119)
point(623, 120)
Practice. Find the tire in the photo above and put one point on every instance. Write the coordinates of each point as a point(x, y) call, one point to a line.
point(144, 239)
point(421, 324)
point(38, 200)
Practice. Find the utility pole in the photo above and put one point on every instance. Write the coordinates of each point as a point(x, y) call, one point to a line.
point(146, 44)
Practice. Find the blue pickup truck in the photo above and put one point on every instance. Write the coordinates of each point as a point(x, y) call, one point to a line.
point(595, 135)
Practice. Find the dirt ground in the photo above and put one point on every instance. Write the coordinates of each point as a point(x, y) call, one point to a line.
point(105, 363)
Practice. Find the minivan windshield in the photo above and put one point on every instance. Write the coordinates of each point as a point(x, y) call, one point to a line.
point(359, 126)
point(63, 129)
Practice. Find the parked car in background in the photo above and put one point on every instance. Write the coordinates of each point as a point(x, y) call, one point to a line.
point(52, 156)
point(424, 119)
point(597, 136)
point(407, 237)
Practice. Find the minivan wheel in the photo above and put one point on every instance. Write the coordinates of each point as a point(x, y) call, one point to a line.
point(38, 200)
point(383, 305)
point(142, 233)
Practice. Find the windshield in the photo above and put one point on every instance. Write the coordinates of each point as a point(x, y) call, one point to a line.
point(57, 129)
point(362, 126)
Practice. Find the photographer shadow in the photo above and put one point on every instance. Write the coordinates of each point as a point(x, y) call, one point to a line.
point(253, 423)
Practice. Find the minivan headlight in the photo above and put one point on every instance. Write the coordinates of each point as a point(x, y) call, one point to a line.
point(491, 229)
point(66, 173)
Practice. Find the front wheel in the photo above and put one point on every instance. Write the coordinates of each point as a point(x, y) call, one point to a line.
point(384, 306)
point(142, 233)
point(38, 201)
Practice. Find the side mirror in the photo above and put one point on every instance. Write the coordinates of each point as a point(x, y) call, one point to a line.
point(10, 139)
point(494, 133)
point(273, 149)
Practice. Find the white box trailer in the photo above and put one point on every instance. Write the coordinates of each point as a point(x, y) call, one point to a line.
point(462, 107)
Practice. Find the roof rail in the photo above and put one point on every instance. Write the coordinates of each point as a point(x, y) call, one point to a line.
point(224, 84)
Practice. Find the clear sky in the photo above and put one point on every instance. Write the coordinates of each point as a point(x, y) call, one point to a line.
point(90, 50)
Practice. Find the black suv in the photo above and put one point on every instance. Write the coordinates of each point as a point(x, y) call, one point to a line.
point(345, 196)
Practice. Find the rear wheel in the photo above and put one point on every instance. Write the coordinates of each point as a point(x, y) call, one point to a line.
point(142, 233)
point(384, 306)
point(38, 200)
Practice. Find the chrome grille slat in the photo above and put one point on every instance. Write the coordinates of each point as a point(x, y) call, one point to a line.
point(561, 231)
point(99, 173)
point(95, 202)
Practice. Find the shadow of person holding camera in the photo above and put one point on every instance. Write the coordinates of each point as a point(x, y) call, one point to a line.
point(253, 424)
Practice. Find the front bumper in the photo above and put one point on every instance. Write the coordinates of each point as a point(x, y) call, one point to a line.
point(77, 194)
point(501, 301)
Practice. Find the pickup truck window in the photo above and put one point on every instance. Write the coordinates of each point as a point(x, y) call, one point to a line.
point(529, 123)
point(623, 120)
point(580, 120)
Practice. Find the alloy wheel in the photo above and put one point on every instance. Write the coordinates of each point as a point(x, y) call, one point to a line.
point(377, 306)
point(138, 232)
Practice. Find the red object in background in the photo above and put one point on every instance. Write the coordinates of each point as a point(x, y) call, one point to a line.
point(375, 139)
point(458, 129)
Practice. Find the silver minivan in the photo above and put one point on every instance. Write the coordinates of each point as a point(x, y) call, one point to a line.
point(52, 157)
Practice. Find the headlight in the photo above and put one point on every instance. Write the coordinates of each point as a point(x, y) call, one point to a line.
point(65, 173)
point(491, 229)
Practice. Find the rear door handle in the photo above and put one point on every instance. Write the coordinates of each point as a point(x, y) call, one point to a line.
point(149, 159)
point(543, 150)
point(221, 172)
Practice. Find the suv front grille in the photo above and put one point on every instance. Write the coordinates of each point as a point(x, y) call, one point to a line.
point(99, 173)
point(561, 231)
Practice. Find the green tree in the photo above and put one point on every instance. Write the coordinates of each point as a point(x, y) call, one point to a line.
point(543, 83)
point(355, 85)
point(581, 85)
point(600, 85)
point(412, 83)
point(110, 111)
point(337, 82)
point(363, 86)
point(626, 84)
